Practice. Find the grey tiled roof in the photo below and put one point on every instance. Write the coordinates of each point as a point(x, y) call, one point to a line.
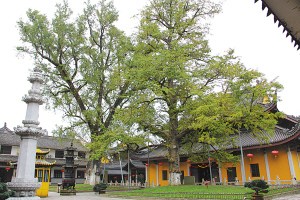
point(61, 161)
point(116, 164)
point(8, 137)
point(49, 142)
point(58, 161)
point(137, 163)
point(155, 152)
point(115, 172)
point(281, 135)
point(8, 158)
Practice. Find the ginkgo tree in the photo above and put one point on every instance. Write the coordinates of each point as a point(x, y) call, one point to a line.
point(84, 60)
point(164, 81)
point(186, 95)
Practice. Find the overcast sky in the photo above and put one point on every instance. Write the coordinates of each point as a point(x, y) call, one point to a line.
point(242, 26)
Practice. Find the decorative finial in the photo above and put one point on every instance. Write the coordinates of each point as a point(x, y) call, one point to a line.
point(4, 124)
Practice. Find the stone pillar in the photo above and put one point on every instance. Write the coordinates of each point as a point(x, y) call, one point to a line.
point(267, 167)
point(291, 164)
point(220, 174)
point(188, 169)
point(146, 178)
point(25, 184)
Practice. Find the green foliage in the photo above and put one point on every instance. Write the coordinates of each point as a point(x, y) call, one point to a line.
point(122, 140)
point(4, 192)
point(85, 60)
point(188, 97)
point(258, 186)
point(166, 83)
point(99, 187)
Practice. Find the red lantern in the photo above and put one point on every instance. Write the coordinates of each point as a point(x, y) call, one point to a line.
point(250, 155)
point(160, 163)
point(147, 164)
point(62, 170)
point(7, 168)
point(275, 153)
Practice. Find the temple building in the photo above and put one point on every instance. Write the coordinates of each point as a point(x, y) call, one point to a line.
point(123, 171)
point(261, 159)
point(55, 148)
point(42, 172)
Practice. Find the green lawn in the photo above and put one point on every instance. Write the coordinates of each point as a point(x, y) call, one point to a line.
point(198, 192)
point(78, 187)
point(196, 188)
point(183, 191)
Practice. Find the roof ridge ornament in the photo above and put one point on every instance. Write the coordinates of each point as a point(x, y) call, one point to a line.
point(294, 130)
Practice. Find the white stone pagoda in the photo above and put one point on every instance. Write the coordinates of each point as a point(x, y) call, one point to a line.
point(25, 184)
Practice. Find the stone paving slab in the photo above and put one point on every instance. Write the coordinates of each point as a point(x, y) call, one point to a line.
point(290, 197)
point(79, 196)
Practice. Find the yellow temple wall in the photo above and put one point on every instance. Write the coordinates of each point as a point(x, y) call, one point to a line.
point(296, 158)
point(259, 159)
point(278, 167)
point(156, 175)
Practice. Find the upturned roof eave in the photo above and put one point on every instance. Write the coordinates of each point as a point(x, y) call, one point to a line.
point(280, 19)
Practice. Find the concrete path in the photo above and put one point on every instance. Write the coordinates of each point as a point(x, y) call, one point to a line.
point(79, 196)
point(290, 197)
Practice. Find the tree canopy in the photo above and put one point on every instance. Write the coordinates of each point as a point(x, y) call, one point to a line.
point(188, 96)
point(162, 81)
point(84, 60)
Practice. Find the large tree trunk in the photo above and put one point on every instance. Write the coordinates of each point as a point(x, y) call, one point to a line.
point(93, 175)
point(173, 148)
point(174, 162)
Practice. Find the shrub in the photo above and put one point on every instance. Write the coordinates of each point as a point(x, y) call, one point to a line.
point(4, 192)
point(258, 186)
point(99, 187)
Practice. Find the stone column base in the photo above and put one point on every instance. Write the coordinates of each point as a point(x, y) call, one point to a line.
point(23, 187)
point(24, 198)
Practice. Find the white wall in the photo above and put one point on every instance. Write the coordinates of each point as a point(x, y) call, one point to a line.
point(15, 150)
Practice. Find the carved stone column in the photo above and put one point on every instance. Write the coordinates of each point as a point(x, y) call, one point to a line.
point(25, 184)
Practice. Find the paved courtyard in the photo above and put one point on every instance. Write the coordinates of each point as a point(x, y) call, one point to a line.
point(291, 197)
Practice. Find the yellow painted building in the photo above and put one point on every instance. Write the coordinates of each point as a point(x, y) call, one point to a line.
point(158, 173)
point(277, 160)
point(42, 172)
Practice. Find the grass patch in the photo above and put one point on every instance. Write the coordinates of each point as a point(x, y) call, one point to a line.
point(196, 188)
point(184, 191)
point(198, 192)
point(78, 187)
